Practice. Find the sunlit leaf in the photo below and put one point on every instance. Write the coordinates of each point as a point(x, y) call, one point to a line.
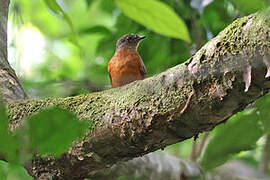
point(240, 133)
point(53, 130)
point(56, 8)
point(155, 15)
point(53, 6)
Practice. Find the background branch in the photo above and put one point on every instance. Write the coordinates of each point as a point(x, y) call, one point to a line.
point(264, 163)
point(152, 166)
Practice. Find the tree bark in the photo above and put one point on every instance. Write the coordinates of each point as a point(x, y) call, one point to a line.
point(222, 78)
point(10, 87)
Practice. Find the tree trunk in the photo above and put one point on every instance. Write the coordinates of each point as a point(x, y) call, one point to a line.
point(10, 87)
point(222, 78)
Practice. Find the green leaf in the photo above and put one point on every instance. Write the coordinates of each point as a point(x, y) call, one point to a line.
point(262, 105)
point(9, 143)
point(53, 130)
point(53, 6)
point(95, 29)
point(215, 17)
point(56, 8)
point(155, 15)
point(240, 133)
point(107, 6)
point(248, 7)
point(89, 2)
point(14, 172)
point(3, 118)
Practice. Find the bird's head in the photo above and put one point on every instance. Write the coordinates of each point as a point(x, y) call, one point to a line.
point(130, 41)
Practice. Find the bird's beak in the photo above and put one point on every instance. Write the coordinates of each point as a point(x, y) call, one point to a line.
point(141, 37)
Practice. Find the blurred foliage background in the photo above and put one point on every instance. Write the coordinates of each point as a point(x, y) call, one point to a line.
point(61, 48)
point(61, 55)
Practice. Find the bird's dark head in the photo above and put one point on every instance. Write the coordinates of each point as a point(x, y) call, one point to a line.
point(130, 41)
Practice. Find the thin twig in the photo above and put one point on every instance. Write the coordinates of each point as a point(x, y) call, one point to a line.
point(202, 144)
point(264, 164)
point(193, 150)
point(188, 101)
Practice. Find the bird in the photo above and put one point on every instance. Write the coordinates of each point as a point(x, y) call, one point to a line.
point(126, 65)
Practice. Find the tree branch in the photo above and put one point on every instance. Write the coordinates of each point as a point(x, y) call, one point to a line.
point(147, 115)
point(152, 166)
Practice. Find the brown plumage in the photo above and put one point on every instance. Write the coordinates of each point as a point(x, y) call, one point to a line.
point(126, 65)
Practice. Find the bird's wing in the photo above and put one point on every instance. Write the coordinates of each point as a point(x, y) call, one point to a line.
point(142, 69)
point(109, 70)
point(110, 78)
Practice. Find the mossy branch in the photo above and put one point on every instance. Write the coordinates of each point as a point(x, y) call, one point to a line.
point(222, 78)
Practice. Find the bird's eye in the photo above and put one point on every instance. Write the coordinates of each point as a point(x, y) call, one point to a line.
point(128, 38)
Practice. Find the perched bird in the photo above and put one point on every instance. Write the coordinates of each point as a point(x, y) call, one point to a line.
point(126, 64)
